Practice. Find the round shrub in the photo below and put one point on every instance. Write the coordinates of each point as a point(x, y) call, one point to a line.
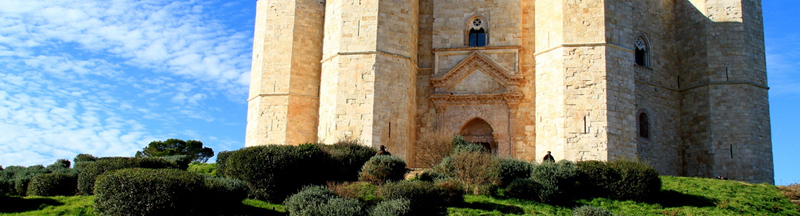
point(362, 191)
point(182, 161)
point(53, 184)
point(90, 172)
point(318, 200)
point(139, 191)
point(382, 168)
point(637, 180)
point(453, 190)
point(597, 179)
point(393, 207)
point(59, 165)
point(524, 189)
point(347, 158)
point(84, 158)
point(477, 170)
point(226, 191)
point(276, 171)
point(222, 159)
point(425, 198)
point(509, 170)
point(588, 210)
point(558, 180)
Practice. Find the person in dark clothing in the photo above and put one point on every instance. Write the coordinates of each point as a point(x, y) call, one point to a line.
point(548, 158)
point(383, 151)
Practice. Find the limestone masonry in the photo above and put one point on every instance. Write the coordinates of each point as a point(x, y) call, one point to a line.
point(680, 84)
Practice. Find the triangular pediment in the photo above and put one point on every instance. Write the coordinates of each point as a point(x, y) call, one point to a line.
point(477, 82)
point(476, 61)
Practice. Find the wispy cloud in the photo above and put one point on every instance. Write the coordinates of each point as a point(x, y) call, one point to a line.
point(783, 64)
point(108, 76)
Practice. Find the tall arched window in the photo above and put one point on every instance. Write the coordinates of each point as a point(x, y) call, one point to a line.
point(642, 50)
point(477, 31)
point(644, 126)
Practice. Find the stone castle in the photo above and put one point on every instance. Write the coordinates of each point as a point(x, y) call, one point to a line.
point(680, 84)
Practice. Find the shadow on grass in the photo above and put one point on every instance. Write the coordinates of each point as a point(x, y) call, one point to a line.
point(671, 198)
point(19, 204)
point(505, 209)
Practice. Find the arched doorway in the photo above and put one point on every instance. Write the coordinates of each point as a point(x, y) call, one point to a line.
point(479, 131)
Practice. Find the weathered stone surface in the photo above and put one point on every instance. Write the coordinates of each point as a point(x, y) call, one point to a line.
point(555, 75)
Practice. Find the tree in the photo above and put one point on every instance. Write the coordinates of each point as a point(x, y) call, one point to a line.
point(172, 147)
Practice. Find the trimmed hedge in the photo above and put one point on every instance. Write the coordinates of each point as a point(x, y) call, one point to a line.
point(476, 169)
point(319, 200)
point(222, 159)
point(53, 184)
point(558, 180)
point(524, 189)
point(89, 173)
point(84, 158)
point(393, 207)
point(509, 170)
point(598, 179)
point(638, 181)
point(14, 179)
point(383, 168)
point(425, 198)
point(276, 171)
point(226, 191)
point(140, 191)
point(182, 161)
point(347, 158)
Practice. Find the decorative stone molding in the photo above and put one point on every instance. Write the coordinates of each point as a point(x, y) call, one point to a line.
point(475, 60)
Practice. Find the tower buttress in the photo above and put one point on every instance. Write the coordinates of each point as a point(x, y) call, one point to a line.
point(368, 88)
point(283, 105)
point(725, 107)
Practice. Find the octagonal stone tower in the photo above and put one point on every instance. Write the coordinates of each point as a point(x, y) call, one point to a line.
point(680, 84)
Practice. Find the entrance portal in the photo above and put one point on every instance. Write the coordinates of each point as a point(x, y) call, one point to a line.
point(480, 132)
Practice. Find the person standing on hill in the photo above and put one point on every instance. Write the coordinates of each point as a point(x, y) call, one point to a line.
point(548, 158)
point(383, 151)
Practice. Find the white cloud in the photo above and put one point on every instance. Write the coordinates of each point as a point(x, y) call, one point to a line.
point(95, 76)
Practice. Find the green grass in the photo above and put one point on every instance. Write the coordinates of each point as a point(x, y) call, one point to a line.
point(680, 196)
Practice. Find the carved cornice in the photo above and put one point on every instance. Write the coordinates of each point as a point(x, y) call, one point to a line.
point(477, 60)
point(441, 101)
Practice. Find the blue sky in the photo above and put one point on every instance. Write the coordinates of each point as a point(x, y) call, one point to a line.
point(106, 77)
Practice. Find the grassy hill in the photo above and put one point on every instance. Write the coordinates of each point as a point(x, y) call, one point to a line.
point(680, 196)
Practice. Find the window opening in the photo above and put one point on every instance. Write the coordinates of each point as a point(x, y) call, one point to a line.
point(644, 126)
point(477, 33)
point(642, 52)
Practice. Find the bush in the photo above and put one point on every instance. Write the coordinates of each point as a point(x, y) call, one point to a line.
point(597, 179)
point(432, 176)
point(84, 158)
point(139, 191)
point(382, 168)
point(318, 200)
point(478, 170)
point(226, 191)
point(14, 179)
point(524, 189)
point(558, 180)
point(469, 147)
point(60, 164)
point(432, 148)
point(90, 172)
point(347, 158)
point(587, 210)
point(204, 168)
point(181, 160)
point(222, 159)
point(637, 180)
point(53, 184)
point(362, 191)
point(509, 170)
point(424, 198)
point(453, 190)
point(393, 207)
point(791, 191)
point(276, 171)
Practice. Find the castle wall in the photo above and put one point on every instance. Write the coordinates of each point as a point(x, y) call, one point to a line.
point(369, 73)
point(283, 103)
point(450, 19)
point(657, 93)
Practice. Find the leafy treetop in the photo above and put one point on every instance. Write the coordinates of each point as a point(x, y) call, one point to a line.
point(172, 147)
